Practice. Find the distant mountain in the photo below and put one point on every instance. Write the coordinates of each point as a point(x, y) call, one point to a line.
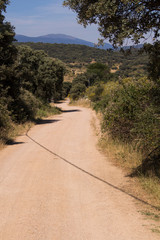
point(59, 38)
point(138, 46)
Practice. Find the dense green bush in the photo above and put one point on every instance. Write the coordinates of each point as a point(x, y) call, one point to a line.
point(66, 89)
point(79, 84)
point(94, 76)
point(27, 107)
point(77, 91)
point(94, 92)
point(5, 121)
point(154, 60)
point(130, 114)
point(100, 71)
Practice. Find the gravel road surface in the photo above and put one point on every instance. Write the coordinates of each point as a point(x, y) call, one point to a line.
point(56, 185)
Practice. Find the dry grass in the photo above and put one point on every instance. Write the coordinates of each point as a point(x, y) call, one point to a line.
point(123, 154)
point(128, 158)
point(152, 186)
point(83, 102)
point(17, 130)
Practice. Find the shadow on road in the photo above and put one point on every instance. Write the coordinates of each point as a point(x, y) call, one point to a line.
point(59, 102)
point(71, 111)
point(46, 121)
point(12, 142)
point(95, 177)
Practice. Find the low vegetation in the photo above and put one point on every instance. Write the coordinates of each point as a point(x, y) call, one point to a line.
point(130, 119)
point(77, 57)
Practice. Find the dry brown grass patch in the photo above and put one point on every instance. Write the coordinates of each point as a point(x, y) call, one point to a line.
point(81, 103)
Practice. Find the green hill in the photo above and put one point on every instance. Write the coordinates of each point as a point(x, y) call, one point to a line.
point(77, 56)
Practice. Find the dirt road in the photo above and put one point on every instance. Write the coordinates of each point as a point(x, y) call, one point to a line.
point(50, 187)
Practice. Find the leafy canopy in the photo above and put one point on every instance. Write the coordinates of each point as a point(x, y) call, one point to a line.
point(7, 50)
point(121, 19)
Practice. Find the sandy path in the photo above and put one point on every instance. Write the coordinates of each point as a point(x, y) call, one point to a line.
point(42, 197)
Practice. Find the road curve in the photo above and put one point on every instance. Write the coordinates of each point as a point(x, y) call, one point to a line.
point(56, 185)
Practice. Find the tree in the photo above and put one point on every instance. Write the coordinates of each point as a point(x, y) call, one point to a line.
point(77, 91)
point(7, 49)
point(8, 52)
point(121, 19)
point(7, 56)
point(154, 60)
point(66, 88)
point(39, 74)
point(98, 72)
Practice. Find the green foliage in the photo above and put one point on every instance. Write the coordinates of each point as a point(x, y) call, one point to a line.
point(7, 56)
point(130, 114)
point(34, 77)
point(154, 60)
point(5, 120)
point(40, 74)
point(77, 91)
point(81, 78)
point(77, 56)
point(7, 50)
point(26, 108)
point(66, 89)
point(100, 71)
point(96, 74)
point(29, 80)
point(118, 20)
point(94, 93)
point(79, 84)
point(46, 110)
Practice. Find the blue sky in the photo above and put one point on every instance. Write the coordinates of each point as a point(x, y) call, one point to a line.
point(40, 17)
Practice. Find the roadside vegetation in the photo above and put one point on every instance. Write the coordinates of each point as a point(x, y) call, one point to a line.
point(130, 119)
point(29, 81)
point(129, 104)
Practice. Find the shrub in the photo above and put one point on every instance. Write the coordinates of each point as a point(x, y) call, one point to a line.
point(5, 121)
point(25, 106)
point(130, 113)
point(66, 88)
point(77, 91)
point(94, 93)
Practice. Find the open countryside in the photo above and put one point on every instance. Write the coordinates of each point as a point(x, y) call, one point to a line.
point(80, 130)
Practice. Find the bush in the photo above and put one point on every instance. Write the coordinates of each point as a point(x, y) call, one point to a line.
point(77, 91)
point(94, 93)
point(101, 70)
point(25, 107)
point(130, 114)
point(5, 121)
point(66, 89)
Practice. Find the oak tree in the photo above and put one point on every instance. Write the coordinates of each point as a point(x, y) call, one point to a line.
point(119, 19)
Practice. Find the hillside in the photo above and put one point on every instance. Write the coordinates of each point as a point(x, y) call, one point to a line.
point(59, 38)
point(78, 56)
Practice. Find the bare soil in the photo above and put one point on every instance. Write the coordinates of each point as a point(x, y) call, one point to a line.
point(56, 185)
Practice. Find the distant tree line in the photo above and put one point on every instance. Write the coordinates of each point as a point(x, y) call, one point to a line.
point(127, 65)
